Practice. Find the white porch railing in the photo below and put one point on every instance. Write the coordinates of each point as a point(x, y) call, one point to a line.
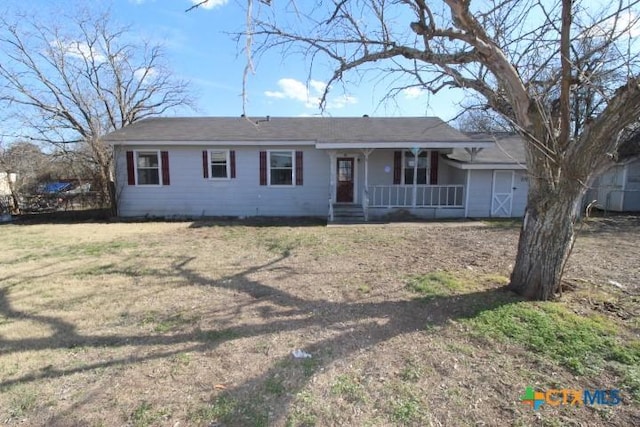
point(426, 196)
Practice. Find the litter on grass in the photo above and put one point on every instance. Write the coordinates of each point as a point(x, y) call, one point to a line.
point(300, 354)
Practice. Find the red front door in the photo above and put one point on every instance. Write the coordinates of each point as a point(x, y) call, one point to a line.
point(344, 192)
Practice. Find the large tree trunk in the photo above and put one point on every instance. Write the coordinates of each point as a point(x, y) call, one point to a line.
point(546, 239)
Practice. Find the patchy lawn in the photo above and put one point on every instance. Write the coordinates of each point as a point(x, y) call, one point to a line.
point(151, 324)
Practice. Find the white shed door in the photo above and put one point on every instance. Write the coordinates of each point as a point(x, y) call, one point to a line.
point(502, 195)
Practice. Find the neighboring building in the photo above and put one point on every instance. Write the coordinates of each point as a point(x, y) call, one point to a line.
point(5, 180)
point(618, 189)
point(340, 168)
point(6, 199)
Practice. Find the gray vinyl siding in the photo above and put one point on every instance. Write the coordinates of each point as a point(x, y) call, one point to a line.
point(452, 175)
point(380, 167)
point(481, 193)
point(632, 187)
point(521, 185)
point(608, 189)
point(192, 195)
point(479, 197)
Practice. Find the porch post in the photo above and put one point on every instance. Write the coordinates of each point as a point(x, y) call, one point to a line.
point(466, 193)
point(365, 199)
point(414, 197)
point(332, 181)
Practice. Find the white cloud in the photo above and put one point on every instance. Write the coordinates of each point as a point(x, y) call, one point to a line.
point(318, 86)
point(210, 4)
point(142, 73)
point(309, 95)
point(630, 22)
point(78, 50)
point(272, 94)
point(341, 102)
point(292, 89)
point(627, 23)
point(412, 92)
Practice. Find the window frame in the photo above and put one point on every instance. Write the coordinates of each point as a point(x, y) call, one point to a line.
point(210, 164)
point(136, 153)
point(293, 169)
point(427, 168)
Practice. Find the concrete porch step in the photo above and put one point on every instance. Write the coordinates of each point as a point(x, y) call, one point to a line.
point(347, 214)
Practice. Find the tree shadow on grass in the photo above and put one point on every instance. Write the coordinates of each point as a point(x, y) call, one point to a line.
point(355, 326)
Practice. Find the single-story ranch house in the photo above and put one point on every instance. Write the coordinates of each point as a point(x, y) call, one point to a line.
point(337, 168)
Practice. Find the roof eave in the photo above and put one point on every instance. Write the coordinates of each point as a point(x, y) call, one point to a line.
point(459, 164)
point(404, 144)
point(210, 143)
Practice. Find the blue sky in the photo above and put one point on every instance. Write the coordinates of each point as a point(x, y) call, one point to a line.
point(200, 49)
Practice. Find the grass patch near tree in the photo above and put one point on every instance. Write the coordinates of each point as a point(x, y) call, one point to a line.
point(436, 284)
point(228, 410)
point(22, 400)
point(144, 415)
point(405, 409)
point(302, 412)
point(348, 388)
point(581, 343)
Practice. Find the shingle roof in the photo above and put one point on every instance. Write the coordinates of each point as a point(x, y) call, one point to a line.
point(319, 129)
point(509, 149)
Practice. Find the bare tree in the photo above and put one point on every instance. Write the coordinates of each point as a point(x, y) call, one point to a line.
point(481, 120)
point(70, 85)
point(529, 61)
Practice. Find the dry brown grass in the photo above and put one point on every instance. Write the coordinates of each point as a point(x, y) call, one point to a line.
point(158, 323)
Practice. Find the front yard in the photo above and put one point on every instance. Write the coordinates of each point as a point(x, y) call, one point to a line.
point(182, 323)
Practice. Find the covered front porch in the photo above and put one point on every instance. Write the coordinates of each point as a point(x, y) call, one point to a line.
point(385, 178)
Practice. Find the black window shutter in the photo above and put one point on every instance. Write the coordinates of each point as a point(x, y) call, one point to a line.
point(164, 155)
point(205, 164)
point(232, 160)
point(263, 168)
point(397, 167)
point(299, 170)
point(131, 175)
point(433, 174)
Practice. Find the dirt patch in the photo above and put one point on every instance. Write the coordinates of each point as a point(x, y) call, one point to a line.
point(159, 323)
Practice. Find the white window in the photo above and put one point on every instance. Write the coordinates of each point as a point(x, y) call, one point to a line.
point(408, 166)
point(148, 167)
point(219, 164)
point(281, 167)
